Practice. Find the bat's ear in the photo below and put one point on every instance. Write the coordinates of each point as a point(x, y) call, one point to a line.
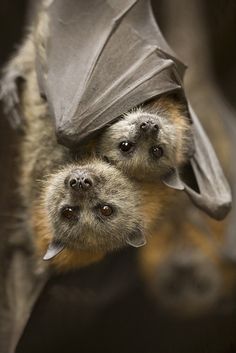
point(213, 194)
point(10, 86)
point(53, 250)
point(136, 238)
point(172, 179)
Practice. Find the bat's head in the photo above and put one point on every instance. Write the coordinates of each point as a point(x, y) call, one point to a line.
point(148, 142)
point(183, 266)
point(92, 207)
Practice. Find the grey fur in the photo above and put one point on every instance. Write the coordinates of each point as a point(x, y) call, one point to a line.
point(176, 142)
point(90, 230)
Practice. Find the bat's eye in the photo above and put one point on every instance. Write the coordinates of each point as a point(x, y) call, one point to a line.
point(126, 146)
point(70, 213)
point(106, 210)
point(157, 151)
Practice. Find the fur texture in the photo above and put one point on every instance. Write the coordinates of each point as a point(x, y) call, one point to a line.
point(150, 141)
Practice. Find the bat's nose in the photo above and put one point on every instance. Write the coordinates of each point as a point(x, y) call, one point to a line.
point(149, 126)
point(80, 181)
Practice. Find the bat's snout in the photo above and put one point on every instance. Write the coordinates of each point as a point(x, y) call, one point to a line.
point(80, 181)
point(149, 126)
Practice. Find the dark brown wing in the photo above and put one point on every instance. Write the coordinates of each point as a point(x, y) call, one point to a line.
point(21, 282)
point(214, 196)
point(104, 58)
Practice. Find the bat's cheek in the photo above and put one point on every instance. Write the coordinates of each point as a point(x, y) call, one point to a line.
point(69, 258)
point(102, 237)
point(86, 234)
point(42, 229)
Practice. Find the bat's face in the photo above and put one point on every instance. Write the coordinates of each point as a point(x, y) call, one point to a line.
point(92, 207)
point(188, 283)
point(184, 268)
point(144, 144)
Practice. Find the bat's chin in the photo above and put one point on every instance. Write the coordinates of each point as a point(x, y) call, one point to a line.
point(143, 173)
point(86, 239)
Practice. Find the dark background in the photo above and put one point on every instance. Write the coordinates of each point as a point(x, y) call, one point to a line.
point(128, 322)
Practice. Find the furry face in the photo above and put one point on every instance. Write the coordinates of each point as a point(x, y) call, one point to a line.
point(149, 141)
point(92, 206)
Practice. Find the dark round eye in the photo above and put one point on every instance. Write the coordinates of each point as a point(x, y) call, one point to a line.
point(70, 213)
point(126, 146)
point(106, 210)
point(157, 151)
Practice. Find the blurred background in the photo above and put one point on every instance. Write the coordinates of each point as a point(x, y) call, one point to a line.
point(178, 294)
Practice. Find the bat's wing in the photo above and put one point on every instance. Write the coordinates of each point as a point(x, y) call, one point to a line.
point(105, 57)
point(213, 195)
point(229, 249)
point(81, 298)
point(22, 282)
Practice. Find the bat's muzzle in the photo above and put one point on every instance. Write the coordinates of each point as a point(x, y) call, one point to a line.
point(80, 181)
point(148, 127)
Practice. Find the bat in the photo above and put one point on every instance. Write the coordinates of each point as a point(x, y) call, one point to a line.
point(152, 69)
point(183, 267)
